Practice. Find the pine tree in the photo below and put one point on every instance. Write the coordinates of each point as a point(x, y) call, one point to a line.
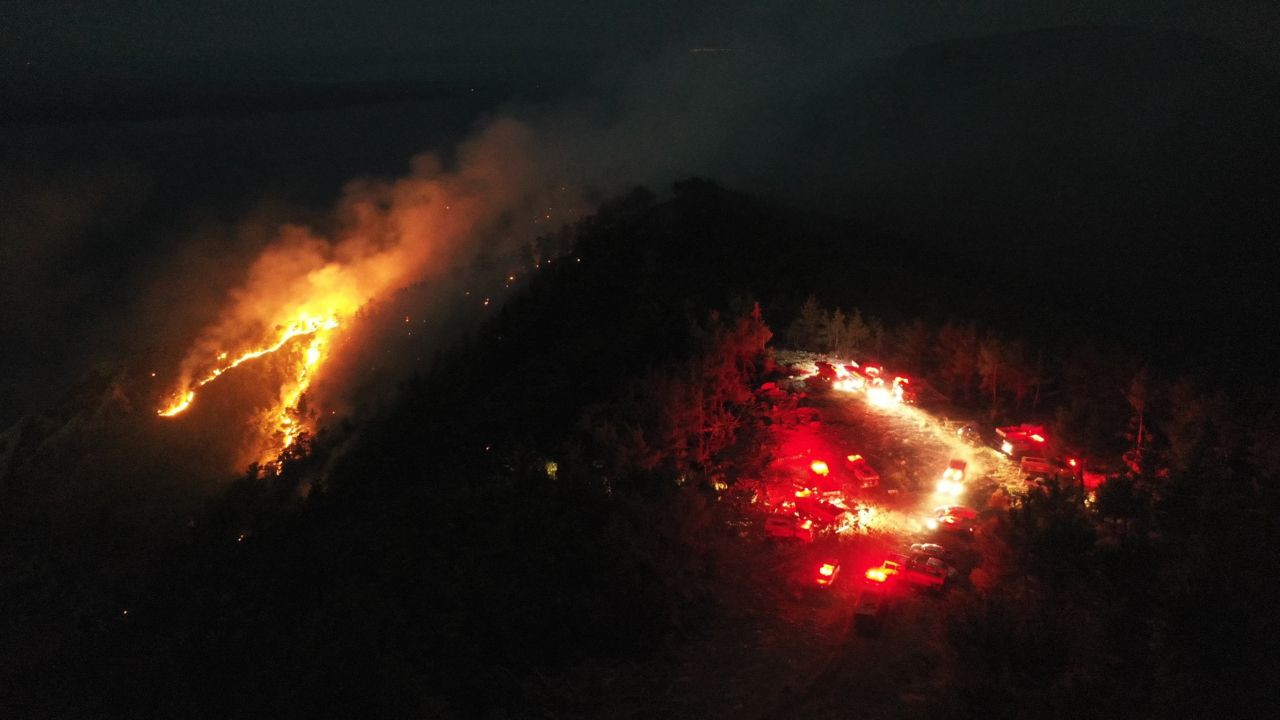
point(806, 331)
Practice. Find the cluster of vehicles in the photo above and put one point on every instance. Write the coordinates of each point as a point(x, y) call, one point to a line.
point(881, 388)
point(927, 564)
point(820, 500)
point(1029, 446)
point(808, 515)
point(926, 567)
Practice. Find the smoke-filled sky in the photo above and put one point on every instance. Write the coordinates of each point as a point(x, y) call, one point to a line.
point(345, 38)
point(126, 228)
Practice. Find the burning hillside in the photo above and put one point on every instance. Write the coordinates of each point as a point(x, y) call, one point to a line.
point(307, 285)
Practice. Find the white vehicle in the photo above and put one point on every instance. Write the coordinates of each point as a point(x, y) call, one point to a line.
point(951, 484)
point(932, 550)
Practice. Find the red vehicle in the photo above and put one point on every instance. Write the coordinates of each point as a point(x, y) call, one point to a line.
point(1093, 474)
point(959, 511)
point(789, 527)
point(850, 378)
point(951, 523)
point(821, 512)
point(926, 572)
point(953, 518)
point(1033, 467)
point(1018, 440)
point(865, 475)
point(826, 371)
point(828, 571)
point(883, 573)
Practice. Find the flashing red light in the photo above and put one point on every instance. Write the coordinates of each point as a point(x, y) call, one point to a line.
point(827, 569)
point(819, 467)
point(1071, 462)
point(1037, 437)
point(854, 458)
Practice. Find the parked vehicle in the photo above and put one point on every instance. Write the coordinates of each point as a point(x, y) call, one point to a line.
point(822, 512)
point(921, 570)
point(789, 527)
point(954, 518)
point(970, 435)
point(1018, 440)
point(1035, 466)
point(959, 511)
point(927, 573)
point(864, 475)
point(828, 571)
point(873, 605)
point(826, 371)
point(1038, 467)
point(952, 482)
point(933, 550)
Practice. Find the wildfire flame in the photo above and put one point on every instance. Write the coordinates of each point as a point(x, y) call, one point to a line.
point(383, 236)
point(317, 329)
point(310, 327)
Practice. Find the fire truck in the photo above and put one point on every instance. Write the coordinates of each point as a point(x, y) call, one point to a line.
point(1019, 440)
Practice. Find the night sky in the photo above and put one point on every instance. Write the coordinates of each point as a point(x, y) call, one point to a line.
point(333, 39)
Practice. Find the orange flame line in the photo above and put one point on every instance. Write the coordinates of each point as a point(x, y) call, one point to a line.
point(293, 331)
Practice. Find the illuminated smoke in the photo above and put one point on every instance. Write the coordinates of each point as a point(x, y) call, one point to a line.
point(306, 285)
